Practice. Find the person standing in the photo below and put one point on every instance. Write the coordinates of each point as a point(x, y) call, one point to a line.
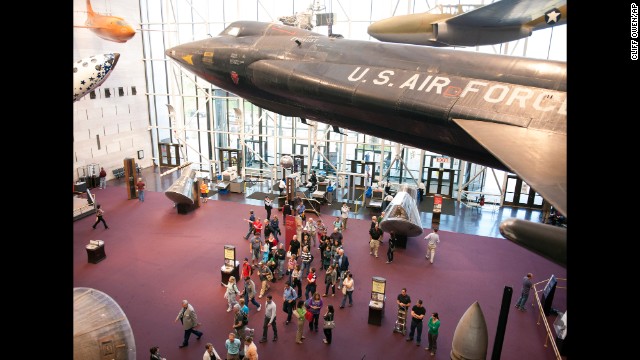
point(140, 186)
point(300, 315)
point(305, 256)
point(204, 191)
point(344, 214)
point(250, 349)
point(310, 288)
point(155, 355)
point(348, 284)
point(251, 219)
point(330, 279)
point(392, 246)
point(270, 311)
point(342, 265)
point(208, 352)
point(432, 335)
point(189, 320)
point(281, 257)
point(328, 332)
point(417, 314)
point(100, 217)
point(286, 210)
point(294, 246)
point(433, 240)
point(524, 293)
point(268, 205)
point(103, 178)
point(315, 306)
point(246, 268)
point(404, 300)
point(296, 277)
point(289, 295)
point(233, 347)
point(376, 237)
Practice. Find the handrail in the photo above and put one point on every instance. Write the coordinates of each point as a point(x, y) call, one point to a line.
point(544, 318)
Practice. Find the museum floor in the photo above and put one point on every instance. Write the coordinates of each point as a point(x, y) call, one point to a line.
point(156, 258)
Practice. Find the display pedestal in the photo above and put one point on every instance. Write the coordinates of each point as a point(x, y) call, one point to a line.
point(376, 312)
point(401, 241)
point(227, 272)
point(95, 253)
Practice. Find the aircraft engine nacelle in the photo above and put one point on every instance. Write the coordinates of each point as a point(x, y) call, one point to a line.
point(463, 36)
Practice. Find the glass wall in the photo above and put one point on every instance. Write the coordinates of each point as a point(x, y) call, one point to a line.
point(207, 118)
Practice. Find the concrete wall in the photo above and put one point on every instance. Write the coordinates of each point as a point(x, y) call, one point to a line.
point(108, 130)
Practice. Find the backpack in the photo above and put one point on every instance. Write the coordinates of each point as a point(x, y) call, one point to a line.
point(245, 319)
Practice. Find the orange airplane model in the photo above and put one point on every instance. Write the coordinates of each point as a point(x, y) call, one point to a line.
point(110, 28)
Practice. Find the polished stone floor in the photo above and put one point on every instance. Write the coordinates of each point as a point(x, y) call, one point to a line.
point(485, 221)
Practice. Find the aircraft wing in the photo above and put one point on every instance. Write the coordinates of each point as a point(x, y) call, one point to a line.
point(540, 159)
point(506, 13)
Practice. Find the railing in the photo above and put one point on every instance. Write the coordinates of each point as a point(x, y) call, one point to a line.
point(544, 318)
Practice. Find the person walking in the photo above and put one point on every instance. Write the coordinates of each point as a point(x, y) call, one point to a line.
point(344, 214)
point(329, 324)
point(348, 287)
point(289, 297)
point(249, 292)
point(231, 292)
point(209, 354)
point(266, 275)
point(240, 321)
point(433, 240)
point(233, 347)
point(189, 319)
point(432, 334)
point(417, 314)
point(524, 292)
point(204, 191)
point(103, 178)
point(140, 185)
point(250, 349)
point(300, 315)
point(270, 311)
point(100, 217)
point(254, 247)
point(155, 355)
point(251, 219)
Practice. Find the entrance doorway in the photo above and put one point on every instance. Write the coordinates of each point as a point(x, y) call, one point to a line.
point(440, 181)
point(520, 194)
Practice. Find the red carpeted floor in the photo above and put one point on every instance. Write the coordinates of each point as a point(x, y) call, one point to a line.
point(157, 257)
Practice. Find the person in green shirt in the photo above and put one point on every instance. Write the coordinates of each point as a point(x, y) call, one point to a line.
point(432, 334)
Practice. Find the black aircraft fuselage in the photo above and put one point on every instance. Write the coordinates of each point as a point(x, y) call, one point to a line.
point(447, 101)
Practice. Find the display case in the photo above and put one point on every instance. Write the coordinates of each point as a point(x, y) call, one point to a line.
point(376, 303)
point(231, 267)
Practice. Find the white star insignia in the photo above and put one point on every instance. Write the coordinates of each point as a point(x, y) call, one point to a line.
point(552, 16)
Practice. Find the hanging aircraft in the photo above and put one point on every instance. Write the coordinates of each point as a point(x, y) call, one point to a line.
point(498, 22)
point(91, 72)
point(500, 111)
point(112, 28)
